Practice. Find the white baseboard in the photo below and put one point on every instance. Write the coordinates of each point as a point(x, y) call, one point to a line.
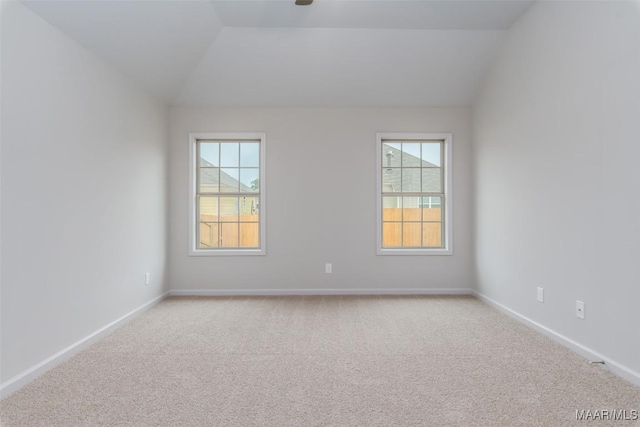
point(63, 355)
point(337, 291)
point(584, 351)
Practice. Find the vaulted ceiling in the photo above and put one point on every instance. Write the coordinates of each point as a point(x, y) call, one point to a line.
point(370, 53)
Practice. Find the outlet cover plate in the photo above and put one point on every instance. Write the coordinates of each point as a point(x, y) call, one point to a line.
point(580, 309)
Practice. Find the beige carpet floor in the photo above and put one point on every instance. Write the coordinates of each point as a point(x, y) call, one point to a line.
point(321, 361)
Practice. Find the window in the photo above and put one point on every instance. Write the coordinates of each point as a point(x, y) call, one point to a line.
point(414, 194)
point(227, 193)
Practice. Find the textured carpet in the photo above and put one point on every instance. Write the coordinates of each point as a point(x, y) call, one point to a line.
point(321, 361)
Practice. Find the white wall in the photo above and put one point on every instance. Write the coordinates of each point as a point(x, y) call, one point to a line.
point(556, 149)
point(321, 201)
point(83, 192)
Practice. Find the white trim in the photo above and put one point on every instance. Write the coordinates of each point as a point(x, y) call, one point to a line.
point(448, 191)
point(334, 291)
point(228, 252)
point(425, 251)
point(22, 379)
point(584, 351)
point(193, 138)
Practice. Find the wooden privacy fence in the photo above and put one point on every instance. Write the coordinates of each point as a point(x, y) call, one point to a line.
point(231, 231)
point(414, 227)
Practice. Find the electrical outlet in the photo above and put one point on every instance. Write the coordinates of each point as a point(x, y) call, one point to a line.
point(147, 279)
point(580, 309)
point(541, 294)
point(327, 267)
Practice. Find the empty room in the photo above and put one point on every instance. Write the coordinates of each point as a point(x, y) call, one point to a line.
point(319, 213)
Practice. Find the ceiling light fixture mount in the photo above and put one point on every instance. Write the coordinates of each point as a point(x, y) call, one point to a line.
point(303, 2)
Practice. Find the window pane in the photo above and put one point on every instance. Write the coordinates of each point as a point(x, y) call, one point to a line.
point(249, 180)
point(228, 193)
point(391, 234)
point(431, 154)
point(228, 209)
point(208, 235)
point(249, 154)
point(411, 154)
point(209, 154)
point(248, 207)
point(208, 209)
point(411, 209)
point(229, 234)
point(412, 234)
point(391, 155)
point(209, 180)
point(432, 234)
point(249, 235)
point(412, 169)
point(431, 180)
point(431, 209)
point(229, 180)
point(391, 180)
point(229, 154)
point(392, 208)
point(411, 180)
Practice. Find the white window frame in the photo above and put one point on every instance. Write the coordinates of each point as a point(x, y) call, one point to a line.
point(447, 248)
point(193, 169)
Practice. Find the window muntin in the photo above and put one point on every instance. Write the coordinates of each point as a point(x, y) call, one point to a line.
point(228, 194)
point(413, 193)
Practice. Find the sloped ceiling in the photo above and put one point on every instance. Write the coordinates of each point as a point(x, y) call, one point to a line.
point(373, 14)
point(341, 67)
point(157, 43)
point(272, 53)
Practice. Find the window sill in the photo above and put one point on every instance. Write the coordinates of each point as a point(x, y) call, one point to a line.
point(227, 252)
point(409, 252)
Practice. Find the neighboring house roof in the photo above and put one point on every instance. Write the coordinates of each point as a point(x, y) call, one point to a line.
point(209, 175)
point(429, 175)
point(395, 160)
